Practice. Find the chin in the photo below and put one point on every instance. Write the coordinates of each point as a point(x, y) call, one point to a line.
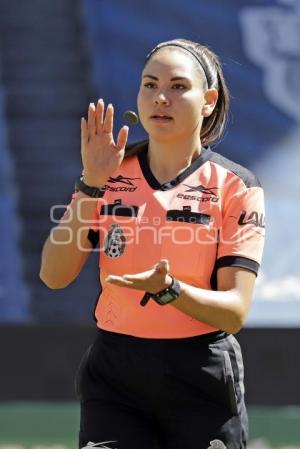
point(163, 137)
point(161, 134)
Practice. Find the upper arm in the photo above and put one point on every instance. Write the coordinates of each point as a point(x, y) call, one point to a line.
point(243, 226)
point(91, 242)
point(93, 232)
point(242, 231)
point(241, 281)
point(241, 243)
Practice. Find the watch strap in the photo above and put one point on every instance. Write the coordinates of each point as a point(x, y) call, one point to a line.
point(94, 192)
point(164, 296)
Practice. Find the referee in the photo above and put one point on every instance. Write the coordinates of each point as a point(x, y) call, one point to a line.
point(180, 230)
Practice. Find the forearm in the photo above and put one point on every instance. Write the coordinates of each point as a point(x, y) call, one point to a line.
point(67, 247)
point(221, 309)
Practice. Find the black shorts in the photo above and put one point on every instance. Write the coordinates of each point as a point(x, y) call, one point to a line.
point(139, 393)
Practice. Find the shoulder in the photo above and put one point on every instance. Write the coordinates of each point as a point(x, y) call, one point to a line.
point(245, 175)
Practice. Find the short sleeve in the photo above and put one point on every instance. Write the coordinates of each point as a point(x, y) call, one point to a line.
point(93, 233)
point(242, 234)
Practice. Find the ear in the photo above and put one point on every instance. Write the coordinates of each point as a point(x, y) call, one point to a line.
point(210, 101)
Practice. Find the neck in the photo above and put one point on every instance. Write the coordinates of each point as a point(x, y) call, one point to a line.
point(168, 159)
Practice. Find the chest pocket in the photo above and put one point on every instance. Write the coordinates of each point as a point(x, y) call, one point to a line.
point(119, 210)
point(187, 216)
point(189, 243)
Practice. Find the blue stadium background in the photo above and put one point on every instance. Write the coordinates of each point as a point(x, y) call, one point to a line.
point(56, 57)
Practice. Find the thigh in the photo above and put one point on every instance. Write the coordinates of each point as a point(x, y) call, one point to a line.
point(198, 428)
point(111, 415)
point(204, 397)
point(115, 426)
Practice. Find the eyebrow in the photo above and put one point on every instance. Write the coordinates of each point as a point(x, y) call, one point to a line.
point(175, 78)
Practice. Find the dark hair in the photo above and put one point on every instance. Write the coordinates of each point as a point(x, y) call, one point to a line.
point(214, 125)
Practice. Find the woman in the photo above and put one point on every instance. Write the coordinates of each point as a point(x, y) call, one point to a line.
point(180, 231)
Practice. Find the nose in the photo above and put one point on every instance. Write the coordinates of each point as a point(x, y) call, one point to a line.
point(161, 99)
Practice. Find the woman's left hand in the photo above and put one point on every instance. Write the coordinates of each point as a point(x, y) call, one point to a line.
point(152, 280)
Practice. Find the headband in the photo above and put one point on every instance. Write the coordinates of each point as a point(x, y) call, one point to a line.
point(202, 62)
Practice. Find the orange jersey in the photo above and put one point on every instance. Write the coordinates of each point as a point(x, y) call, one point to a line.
point(210, 216)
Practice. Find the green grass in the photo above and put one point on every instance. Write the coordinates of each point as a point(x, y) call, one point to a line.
point(279, 426)
point(55, 426)
point(35, 424)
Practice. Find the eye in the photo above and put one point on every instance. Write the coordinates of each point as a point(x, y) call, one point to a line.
point(149, 85)
point(178, 86)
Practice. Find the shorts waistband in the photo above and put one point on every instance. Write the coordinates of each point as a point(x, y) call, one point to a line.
point(203, 338)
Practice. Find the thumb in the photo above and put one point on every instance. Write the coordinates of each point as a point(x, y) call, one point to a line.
point(84, 132)
point(122, 137)
point(163, 267)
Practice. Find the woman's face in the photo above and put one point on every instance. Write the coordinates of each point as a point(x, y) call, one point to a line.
point(172, 97)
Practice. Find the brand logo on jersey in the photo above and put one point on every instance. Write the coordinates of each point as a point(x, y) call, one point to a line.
point(201, 199)
point(99, 445)
point(202, 189)
point(252, 218)
point(213, 198)
point(123, 180)
point(114, 243)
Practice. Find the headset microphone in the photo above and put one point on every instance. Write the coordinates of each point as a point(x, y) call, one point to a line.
point(131, 117)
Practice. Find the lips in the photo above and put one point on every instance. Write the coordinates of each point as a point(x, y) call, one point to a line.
point(161, 117)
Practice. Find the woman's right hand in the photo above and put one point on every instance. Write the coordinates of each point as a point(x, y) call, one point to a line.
point(101, 156)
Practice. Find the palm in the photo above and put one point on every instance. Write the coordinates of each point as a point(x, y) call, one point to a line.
point(101, 156)
point(152, 280)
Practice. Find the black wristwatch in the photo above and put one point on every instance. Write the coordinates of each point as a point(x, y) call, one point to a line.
point(165, 296)
point(94, 192)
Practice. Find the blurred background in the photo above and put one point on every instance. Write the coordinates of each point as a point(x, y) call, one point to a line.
point(57, 56)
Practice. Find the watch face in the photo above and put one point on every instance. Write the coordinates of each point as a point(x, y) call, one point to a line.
point(168, 296)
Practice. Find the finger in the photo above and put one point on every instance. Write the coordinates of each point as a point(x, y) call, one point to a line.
point(91, 120)
point(120, 283)
point(99, 115)
point(133, 278)
point(118, 280)
point(108, 119)
point(138, 276)
point(84, 132)
point(122, 137)
point(130, 277)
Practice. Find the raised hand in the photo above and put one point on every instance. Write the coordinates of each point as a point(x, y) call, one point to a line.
point(101, 156)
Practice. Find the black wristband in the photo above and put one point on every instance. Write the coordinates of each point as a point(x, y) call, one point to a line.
point(93, 192)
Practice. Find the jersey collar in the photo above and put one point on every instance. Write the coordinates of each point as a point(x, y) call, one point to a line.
point(153, 182)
